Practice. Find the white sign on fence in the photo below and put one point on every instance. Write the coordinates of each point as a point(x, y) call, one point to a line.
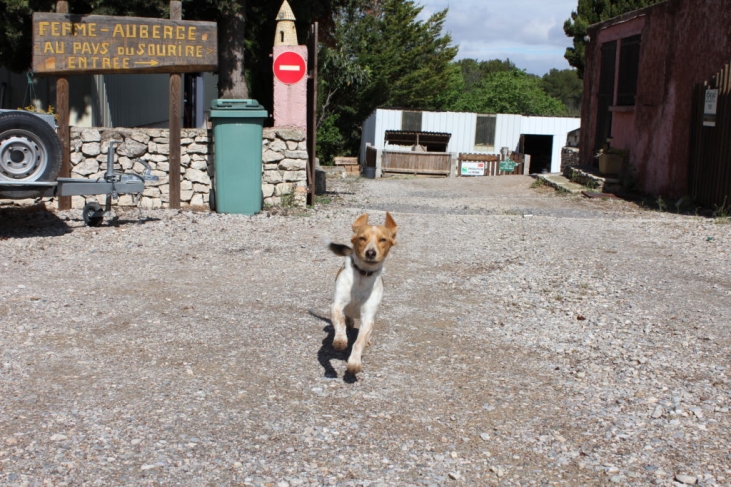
point(709, 108)
point(473, 169)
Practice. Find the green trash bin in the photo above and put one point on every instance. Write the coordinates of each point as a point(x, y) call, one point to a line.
point(237, 139)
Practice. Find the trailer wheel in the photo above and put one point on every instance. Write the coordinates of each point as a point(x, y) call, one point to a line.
point(30, 151)
point(93, 214)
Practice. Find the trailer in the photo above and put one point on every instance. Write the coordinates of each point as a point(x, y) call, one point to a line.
point(30, 160)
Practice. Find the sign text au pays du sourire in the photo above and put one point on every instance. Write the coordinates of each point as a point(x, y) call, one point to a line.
point(94, 44)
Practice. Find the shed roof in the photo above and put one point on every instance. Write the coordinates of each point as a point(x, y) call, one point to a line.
point(404, 137)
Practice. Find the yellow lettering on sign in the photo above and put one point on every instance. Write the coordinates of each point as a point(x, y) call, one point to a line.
point(118, 31)
point(180, 32)
point(130, 31)
point(144, 31)
point(43, 27)
point(198, 51)
point(191, 34)
point(189, 51)
point(67, 29)
point(71, 63)
point(55, 29)
point(155, 31)
point(106, 63)
point(167, 32)
point(54, 48)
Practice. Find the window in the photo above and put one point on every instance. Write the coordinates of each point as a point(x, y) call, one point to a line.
point(411, 121)
point(485, 131)
point(629, 64)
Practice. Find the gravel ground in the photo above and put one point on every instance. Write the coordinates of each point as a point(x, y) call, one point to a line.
point(525, 338)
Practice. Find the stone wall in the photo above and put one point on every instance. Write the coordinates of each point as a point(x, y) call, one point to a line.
point(284, 154)
point(284, 177)
point(569, 158)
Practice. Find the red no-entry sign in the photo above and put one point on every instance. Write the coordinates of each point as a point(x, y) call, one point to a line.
point(289, 67)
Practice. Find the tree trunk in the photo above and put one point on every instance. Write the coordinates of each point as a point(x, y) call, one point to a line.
point(231, 79)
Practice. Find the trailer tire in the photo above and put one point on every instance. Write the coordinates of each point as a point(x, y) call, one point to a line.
point(30, 151)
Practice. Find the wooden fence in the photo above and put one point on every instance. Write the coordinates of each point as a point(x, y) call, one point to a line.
point(491, 163)
point(431, 163)
point(710, 165)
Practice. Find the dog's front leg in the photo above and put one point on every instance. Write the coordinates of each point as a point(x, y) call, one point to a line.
point(354, 361)
point(337, 316)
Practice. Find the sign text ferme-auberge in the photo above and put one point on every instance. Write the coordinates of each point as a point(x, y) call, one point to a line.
point(93, 44)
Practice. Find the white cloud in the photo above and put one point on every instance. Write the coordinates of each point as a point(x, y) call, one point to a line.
point(528, 32)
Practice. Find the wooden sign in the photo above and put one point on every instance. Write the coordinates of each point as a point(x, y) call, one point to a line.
point(95, 44)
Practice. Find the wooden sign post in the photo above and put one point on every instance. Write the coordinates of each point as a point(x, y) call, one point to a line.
point(94, 44)
point(176, 13)
point(64, 132)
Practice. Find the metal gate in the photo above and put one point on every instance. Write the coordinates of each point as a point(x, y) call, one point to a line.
point(710, 164)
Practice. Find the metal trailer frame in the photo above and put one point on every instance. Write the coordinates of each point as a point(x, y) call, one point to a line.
point(113, 184)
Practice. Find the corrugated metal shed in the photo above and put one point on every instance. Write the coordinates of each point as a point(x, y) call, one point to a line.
point(463, 126)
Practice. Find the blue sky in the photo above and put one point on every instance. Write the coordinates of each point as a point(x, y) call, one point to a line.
point(529, 32)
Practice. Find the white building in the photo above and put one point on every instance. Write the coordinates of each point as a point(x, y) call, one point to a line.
point(541, 137)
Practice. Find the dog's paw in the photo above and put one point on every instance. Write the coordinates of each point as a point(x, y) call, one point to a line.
point(340, 343)
point(354, 368)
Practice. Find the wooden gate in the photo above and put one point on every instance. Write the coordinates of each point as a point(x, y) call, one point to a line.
point(431, 163)
point(709, 174)
point(491, 163)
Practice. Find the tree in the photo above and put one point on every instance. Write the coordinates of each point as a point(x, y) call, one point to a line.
point(512, 91)
point(566, 86)
point(473, 71)
point(590, 12)
point(409, 62)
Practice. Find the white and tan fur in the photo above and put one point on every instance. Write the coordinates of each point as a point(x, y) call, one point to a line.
point(358, 285)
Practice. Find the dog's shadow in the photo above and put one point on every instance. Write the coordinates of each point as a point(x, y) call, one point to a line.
point(327, 353)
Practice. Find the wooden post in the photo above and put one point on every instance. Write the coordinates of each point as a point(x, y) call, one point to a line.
point(312, 122)
point(176, 13)
point(62, 110)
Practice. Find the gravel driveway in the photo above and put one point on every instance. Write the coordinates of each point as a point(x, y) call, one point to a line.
point(525, 338)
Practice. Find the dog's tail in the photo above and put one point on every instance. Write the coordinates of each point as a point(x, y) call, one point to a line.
point(340, 249)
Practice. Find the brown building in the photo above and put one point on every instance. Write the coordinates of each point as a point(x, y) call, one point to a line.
point(639, 75)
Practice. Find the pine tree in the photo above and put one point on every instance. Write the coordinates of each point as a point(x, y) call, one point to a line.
point(590, 12)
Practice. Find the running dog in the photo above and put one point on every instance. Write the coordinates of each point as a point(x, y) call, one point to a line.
point(358, 284)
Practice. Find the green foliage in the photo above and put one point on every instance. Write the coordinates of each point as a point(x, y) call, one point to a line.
point(473, 71)
point(391, 58)
point(590, 12)
point(512, 91)
point(566, 86)
point(330, 140)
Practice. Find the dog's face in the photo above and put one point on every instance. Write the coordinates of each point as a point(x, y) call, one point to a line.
point(371, 243)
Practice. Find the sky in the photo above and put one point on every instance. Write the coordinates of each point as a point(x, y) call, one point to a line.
point(528, 32)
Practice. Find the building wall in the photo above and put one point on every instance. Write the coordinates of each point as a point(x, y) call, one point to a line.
point(683, 43)
point(508, 129)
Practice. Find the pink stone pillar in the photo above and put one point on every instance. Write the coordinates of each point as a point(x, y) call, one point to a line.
point(290, 90)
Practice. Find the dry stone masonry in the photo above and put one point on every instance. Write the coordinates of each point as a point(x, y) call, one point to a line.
point(284, 175)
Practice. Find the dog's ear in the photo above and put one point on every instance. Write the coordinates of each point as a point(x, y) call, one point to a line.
point(391, 224)
point(360, 221)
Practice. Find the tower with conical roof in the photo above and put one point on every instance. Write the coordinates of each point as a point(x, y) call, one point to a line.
point(286, 34)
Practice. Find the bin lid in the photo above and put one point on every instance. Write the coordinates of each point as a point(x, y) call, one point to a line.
point(234, 104)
